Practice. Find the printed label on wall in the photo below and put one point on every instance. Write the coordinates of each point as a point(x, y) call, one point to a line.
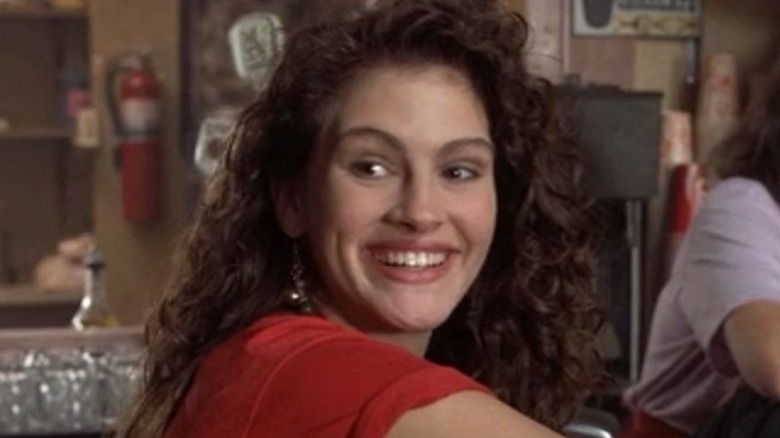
point(649, 18)
point(140, 116)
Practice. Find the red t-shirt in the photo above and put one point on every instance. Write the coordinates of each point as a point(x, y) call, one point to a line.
point(301, 376)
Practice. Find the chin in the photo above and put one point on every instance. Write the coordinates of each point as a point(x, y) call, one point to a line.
point(419, 322)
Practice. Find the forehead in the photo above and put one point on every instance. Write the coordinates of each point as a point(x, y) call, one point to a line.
point(416, 77)
point(384, 71)
point(406, 97)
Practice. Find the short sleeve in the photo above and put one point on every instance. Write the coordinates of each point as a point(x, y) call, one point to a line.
point(350, 387)
point(732, 259)
point(414, 390)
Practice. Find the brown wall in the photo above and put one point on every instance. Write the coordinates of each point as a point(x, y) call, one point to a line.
point(748, 29)
point(137, 256)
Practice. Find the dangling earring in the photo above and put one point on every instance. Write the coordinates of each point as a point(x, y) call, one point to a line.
point(297, 297)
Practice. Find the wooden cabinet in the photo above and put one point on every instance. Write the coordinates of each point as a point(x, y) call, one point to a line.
point(56, 190)
point(45, 184)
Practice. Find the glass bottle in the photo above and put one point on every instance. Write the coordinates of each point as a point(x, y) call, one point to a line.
point(94, 311)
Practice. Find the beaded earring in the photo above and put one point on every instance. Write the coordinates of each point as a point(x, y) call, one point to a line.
point(297, 297)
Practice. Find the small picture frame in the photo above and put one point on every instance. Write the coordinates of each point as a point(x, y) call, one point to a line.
point(636, 18)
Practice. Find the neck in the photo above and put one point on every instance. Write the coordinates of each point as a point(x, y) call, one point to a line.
point(413, 342)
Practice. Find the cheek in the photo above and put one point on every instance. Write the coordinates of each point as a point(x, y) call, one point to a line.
point(479, 214)
point(342, 209)
point(481, 228)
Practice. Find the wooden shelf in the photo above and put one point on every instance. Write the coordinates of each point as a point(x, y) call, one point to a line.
point(130, 337)
point(26, 295)
point(36, 134)
point(45, 14)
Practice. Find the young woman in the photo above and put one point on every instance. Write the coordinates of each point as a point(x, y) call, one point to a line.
point(717, 321)
point(394, 245)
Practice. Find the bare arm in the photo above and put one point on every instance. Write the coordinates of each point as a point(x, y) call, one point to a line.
point(466, 415)
point(752, 333)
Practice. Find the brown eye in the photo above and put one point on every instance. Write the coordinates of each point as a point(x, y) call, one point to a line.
point(369, 169)
point(460, 173)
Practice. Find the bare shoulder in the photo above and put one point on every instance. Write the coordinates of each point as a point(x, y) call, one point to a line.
point(467, 414)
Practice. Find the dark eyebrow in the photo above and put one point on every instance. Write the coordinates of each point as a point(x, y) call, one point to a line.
point(397, 144)
point(451, 146)
point(386, 137)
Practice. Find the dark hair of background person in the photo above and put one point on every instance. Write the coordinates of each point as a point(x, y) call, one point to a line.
point(526, 328)
point(753, 151)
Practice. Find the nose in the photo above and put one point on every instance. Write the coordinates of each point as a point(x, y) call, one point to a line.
point(419, 206)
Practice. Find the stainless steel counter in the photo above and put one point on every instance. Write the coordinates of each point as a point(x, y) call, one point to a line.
point(62, 382)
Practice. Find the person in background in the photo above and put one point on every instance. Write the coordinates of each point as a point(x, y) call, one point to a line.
point(393, 245)
point(716, 324)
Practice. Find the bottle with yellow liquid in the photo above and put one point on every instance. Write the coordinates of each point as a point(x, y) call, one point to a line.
point(94, 311)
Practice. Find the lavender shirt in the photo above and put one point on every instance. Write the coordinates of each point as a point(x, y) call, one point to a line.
point(731, 256)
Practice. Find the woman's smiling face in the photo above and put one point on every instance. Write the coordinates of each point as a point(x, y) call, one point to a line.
point(398, 206)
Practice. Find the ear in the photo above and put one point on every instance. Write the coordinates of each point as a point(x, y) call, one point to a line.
point(288, 208)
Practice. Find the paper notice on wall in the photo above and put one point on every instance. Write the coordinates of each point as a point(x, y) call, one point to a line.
point(87, 130)
point(546, 54)
point(256, 41)
point(647, 18)
point(212, 140)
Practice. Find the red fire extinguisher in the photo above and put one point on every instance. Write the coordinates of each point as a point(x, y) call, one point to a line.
point(134, 102)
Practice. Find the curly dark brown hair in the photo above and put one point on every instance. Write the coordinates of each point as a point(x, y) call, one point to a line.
point(527, 326)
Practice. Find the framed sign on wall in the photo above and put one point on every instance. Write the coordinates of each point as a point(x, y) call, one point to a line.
point(640, 18)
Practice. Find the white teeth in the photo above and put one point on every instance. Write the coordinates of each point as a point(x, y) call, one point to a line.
point(411, 259)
